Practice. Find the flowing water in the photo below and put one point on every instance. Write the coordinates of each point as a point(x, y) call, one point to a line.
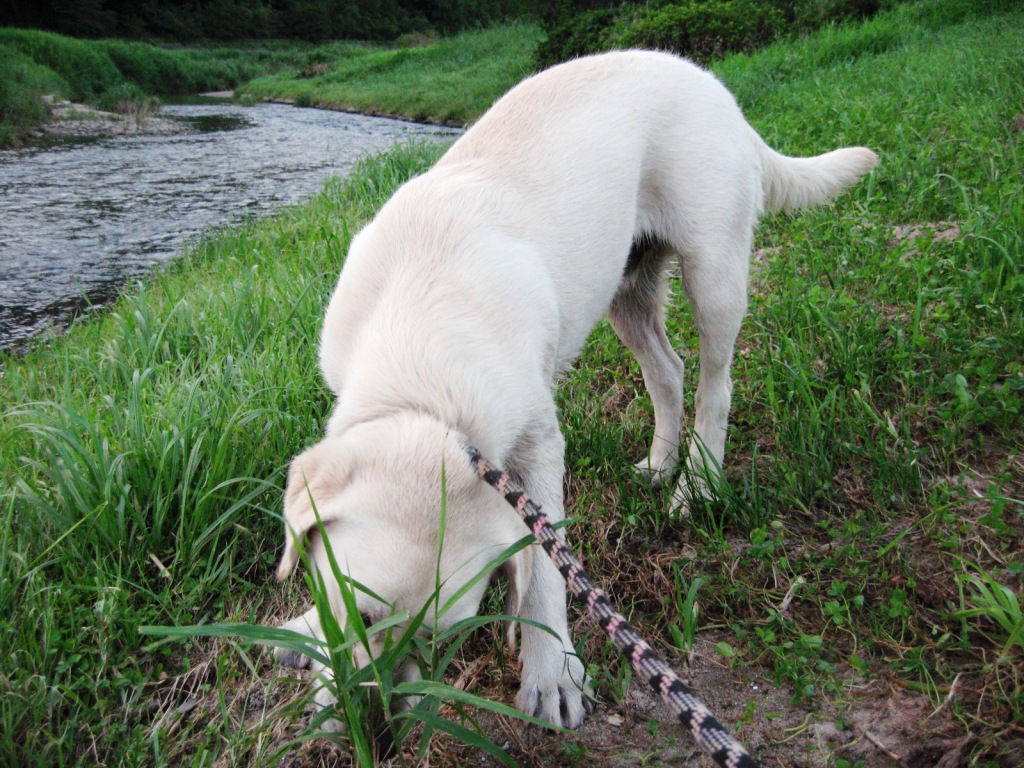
point(83, 217)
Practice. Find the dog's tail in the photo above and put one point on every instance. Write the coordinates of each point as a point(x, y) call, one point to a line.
point(797, 182)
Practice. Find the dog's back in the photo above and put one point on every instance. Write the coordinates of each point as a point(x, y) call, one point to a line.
point(578, 162)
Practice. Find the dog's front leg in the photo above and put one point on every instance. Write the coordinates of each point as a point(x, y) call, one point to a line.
point(308, 624)
point(553, 686)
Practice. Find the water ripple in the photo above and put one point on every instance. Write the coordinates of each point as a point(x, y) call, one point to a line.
point(80, 219)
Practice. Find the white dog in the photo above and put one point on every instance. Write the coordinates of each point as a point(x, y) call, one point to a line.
point(476, 286)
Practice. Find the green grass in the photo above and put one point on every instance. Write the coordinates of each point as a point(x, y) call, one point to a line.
point(871, 523)
point(451, 81)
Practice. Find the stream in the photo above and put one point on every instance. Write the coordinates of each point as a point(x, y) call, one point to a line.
point(83, 216)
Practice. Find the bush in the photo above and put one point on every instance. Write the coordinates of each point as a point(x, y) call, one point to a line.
point(577, 35)
point(126, 99)
point(704, 30)
point(812, 14)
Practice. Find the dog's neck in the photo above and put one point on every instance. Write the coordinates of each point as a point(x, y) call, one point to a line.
point(342, 420)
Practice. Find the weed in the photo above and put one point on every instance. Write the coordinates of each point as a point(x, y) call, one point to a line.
point(688, 611)
point(982, 596)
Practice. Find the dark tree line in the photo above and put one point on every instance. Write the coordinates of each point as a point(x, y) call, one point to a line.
point(313, 20)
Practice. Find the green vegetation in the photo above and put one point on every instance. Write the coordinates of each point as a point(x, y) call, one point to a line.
point(705, 30)
point(451, 80)
point(440, 80)
point(108, 72)
point(240, 20)
point(871, 526)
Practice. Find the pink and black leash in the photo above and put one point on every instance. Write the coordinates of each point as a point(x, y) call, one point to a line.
point(709, 734)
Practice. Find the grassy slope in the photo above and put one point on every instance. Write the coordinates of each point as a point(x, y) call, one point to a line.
point(874, 456)
point(450, 81)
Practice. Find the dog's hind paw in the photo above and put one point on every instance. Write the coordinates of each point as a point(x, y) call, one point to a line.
point(656, 476)
point(559, 702)
point(693, 491)
point(289, 658)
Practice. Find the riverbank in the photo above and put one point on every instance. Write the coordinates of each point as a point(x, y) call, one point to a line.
point(116, 75)
point(446, 81)
point(450, 81)
point(854, 595)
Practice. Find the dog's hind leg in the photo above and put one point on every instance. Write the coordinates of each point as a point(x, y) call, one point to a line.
point(638, 316)
point(715, 272)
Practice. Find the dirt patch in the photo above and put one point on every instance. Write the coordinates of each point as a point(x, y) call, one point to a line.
point(762, 715)
point(876, 722)
point(923, 235)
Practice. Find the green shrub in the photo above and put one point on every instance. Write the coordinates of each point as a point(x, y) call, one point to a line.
point(577, 35)
point(812, 14)
point(127, 99)
point(703, 30)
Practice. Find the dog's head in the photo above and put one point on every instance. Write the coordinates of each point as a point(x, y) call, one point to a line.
point(377, 492)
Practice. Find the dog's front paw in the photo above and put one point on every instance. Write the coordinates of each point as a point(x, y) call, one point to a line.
point(289, 658)
point(307, 625)
point(324, 698)
point(564, 701)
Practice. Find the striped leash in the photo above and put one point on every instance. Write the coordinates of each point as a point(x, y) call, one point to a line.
point(709, 734)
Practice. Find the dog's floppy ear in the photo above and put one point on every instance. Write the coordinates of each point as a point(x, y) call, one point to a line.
point(314, 478)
